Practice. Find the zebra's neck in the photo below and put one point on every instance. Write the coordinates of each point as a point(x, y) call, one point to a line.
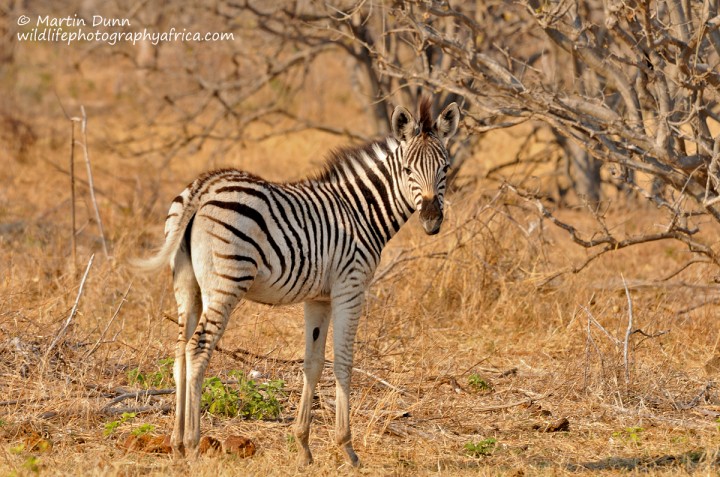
point(369, 179)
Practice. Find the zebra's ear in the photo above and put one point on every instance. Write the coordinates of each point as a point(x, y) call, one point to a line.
point(447, 123)
point(404, 126)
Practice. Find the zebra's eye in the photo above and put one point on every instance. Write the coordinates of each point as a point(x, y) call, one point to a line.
point(407, 170)
point(446, 167)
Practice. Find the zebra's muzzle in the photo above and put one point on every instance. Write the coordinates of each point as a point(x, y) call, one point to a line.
point(431, 215)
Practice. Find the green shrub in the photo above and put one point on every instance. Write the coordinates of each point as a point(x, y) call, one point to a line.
point(248, 399)
point(156, 379)
point(477, 383)
point(483, 448)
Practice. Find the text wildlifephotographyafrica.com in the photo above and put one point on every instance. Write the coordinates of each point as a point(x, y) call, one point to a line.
point(426, 237)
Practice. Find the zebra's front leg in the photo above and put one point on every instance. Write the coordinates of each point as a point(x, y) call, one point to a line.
point(346, 314)
point(317, 321)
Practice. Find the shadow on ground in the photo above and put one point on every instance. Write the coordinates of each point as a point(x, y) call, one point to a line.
point(688, 460)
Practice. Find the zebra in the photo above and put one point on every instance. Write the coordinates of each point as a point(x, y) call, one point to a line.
point(231, 235)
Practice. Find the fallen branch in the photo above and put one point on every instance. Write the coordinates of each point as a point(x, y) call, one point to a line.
point(13, 402)
point(137, 410)
point(526, 402)
point(694, 402)
point(138, 394)
point(240, 355)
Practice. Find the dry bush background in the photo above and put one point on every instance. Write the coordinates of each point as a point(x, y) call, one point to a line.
point(494, 295)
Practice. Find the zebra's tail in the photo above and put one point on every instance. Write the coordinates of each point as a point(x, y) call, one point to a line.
point(181, 213)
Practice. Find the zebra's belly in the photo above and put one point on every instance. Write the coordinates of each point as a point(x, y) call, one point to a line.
point(270, 291)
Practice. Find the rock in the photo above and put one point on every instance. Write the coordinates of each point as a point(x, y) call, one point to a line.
point(209, 446)
point(239, 446)
point(147, 443)
point(562, 424)
point(159, 445)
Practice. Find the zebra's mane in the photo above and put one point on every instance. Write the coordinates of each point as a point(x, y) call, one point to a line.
point(425, 117)
point(342, 158)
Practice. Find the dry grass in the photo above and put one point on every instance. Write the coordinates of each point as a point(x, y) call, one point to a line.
point(467, 302)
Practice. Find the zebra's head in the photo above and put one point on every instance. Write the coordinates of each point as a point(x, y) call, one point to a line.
point(425, 158)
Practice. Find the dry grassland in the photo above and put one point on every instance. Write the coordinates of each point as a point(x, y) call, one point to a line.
point(449, 313)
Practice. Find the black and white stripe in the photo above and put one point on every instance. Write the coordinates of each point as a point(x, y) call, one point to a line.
point(232, 235)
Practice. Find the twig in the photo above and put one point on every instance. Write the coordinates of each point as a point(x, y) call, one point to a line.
point(648, 336)
point(89, 352)
point(390, 426)
point(73, 245)
point(137, 394)
point(13, 402)
point(507, 372)
point(498, 407)
point(628, 332)
point(90, 181)
point(687, 310)
point(696, 400)
point(383, 382)
point(591, 319)
point(73, 312)
point(239, 353)
point(679, 270)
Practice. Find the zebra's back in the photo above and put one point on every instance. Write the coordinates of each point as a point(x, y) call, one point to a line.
point(272, 243)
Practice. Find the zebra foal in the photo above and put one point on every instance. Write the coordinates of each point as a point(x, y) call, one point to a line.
point(231, 235)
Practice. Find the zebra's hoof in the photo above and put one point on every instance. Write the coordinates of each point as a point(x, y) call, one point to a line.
point(352, 457)
point(304, 459)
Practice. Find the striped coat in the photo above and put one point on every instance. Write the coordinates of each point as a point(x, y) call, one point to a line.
point(231, 235)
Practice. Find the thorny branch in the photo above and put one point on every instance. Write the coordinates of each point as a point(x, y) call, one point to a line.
point(608, 242)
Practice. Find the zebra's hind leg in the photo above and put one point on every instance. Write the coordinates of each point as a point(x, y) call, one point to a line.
point(317, 321)
point(218, 303)
point(189, 303)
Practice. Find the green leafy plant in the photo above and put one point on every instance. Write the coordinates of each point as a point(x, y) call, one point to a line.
point(17, 449)
point(156, 379)
point(219, 399)
point(249, 399)
point(112, 426)
point(32, 464)
point(629, 435)
point(260, 401)
point(143, 429)
point(477, 383)
point(291, 443)
point(483, 448)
